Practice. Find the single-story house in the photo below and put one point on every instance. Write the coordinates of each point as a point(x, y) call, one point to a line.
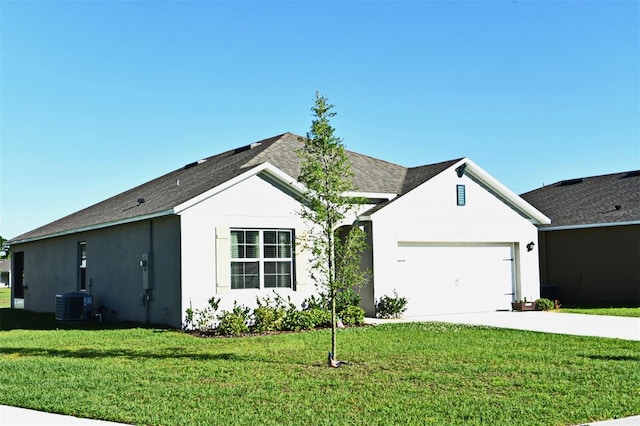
point(590, 253)
point(5, 272)
point(447, 236)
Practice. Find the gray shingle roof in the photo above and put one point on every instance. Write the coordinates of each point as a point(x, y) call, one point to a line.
point(161, 195)
point(418, 175)
point(413, 178)
point(606, 199)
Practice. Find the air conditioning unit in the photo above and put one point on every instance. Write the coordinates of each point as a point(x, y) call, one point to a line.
point(73, 306)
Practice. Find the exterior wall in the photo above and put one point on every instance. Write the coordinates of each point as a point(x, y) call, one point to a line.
point(366, 292)
point(430, 214)
point(593, 266)
point(114, 275)
point(253, 203)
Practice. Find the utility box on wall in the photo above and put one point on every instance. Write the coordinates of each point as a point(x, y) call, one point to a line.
point(144, 264)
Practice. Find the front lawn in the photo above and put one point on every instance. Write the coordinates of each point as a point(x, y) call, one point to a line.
point(617, 312)
point(411, 373)
point(5, 297)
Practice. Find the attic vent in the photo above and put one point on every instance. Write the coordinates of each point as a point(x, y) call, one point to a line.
point(634, 173)
point(570, 182)
point(195, 163)
point(246, 148)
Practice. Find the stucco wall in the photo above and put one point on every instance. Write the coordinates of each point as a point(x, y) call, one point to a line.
point(253, 203)
point(593, 266)
point(114, 276)
point(429, 214)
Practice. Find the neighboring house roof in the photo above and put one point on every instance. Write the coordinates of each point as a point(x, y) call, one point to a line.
point(175, 191)
point(606, 200)
point(5, 265)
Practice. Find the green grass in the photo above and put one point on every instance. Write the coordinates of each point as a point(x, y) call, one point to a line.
point(618, 312)
point(5, 297)
point(414, 373)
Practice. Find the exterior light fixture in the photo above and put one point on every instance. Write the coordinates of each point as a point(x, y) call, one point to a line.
point(530, 246)
point(460, 169)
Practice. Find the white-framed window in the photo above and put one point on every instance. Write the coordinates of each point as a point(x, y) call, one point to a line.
point(261, 258)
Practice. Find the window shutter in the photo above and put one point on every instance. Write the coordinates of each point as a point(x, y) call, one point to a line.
point(302, 259)
point(223, 261)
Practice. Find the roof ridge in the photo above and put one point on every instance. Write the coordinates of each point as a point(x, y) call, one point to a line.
point(453, 160)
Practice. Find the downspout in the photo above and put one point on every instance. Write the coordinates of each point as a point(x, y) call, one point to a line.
point(149, 289)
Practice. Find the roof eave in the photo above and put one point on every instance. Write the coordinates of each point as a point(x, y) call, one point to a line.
point(92, 227)
point(588, 225)
point(387, 196)
point(512, 199)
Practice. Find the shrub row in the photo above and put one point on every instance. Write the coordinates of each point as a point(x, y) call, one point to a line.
point(274, 315)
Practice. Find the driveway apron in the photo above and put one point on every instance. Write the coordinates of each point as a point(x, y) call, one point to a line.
point(546, 322)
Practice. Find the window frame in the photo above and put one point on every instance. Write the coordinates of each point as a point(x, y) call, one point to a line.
point(270, 270)
point(82, 266)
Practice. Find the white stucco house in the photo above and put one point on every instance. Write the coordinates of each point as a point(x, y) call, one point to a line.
point(447, 236)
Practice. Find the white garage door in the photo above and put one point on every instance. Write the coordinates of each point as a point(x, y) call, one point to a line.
point(439, 279)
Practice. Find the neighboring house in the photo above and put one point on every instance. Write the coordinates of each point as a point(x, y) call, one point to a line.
point(447, 236)
point(5, 272)
point(590, 253)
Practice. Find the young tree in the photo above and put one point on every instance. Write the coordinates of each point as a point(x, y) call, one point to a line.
point(4, 251)
point(326, 172)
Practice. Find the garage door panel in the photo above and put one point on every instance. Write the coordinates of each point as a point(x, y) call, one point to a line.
point(455, 279)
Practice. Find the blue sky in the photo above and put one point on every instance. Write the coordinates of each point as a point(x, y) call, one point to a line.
point(97, 97)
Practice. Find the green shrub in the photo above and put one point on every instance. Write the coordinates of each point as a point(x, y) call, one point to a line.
point(188, 319)
point(391, 307)
point(234, 322)
point(346, 298)
point(543, 304)
point(268, 315)
point(202, 319)
point(351, 315)
point(266, 318)
point(319, 317)
point(295, 320)
point(316, 302)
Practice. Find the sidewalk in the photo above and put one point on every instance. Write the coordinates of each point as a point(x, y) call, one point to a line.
point(14, 416)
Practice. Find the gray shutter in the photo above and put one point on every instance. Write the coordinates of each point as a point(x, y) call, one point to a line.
point(302, 259)
point(223, 260)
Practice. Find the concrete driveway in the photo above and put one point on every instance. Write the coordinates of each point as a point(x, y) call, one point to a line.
point(546, 322)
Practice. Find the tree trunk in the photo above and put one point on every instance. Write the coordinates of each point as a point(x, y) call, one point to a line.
point(333, 325)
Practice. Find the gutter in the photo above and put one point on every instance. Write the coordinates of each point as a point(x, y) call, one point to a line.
point(588, 226)
point(512, 199)
point(94, 227)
